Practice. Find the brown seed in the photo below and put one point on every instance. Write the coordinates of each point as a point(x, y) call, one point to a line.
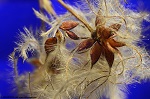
point(72, 35)
point(85, 44)
point(50, 44)
point(114, 43)
point(68, 25)
point(109, 57)
point(95, 53)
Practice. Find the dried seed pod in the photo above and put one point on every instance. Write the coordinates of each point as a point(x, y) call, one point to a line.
point(85, 44)
point(109, 57)
point(115, 26)
point(72, 35)
point(95, 53)
point(50, 44)
point(114, 43)
point(68, 25)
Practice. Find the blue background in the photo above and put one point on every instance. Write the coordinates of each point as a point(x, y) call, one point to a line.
point(15, 14)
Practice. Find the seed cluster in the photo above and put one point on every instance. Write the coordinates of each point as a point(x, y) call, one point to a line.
point(86, 53)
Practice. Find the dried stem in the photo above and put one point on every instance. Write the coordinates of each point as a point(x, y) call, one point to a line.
point(30, 85)
point(15, 60)
point(15, 64)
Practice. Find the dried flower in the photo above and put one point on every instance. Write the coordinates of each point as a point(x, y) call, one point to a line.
point(99, 29)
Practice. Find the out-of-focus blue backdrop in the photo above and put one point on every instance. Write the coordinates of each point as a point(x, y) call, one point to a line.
point(16, 14)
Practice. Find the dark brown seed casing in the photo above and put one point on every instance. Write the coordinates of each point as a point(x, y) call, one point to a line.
point(85, 44)
point(68, 25)
point(50, 44)
point(72, 35)
point(95, 53)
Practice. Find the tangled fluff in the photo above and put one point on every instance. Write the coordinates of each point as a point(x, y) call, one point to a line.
point(88, 52)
